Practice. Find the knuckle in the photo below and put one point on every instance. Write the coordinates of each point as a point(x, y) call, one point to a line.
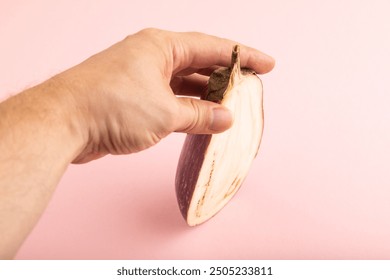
point(150, 31)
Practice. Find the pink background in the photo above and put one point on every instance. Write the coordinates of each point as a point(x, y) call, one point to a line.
point(320, 187)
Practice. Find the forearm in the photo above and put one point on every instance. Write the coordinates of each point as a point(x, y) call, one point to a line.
point(37, 142)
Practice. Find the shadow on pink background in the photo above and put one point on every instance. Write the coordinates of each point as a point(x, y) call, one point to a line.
point(320, 187)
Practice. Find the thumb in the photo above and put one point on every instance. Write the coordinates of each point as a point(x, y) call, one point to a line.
point(202, 117)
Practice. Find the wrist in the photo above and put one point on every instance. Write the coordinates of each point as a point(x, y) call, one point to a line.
point(66, 110)
point(48, 113)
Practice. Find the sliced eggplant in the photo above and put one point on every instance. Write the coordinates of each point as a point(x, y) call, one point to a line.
point(212, 168)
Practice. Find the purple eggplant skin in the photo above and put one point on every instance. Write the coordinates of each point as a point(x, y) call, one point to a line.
point(190, 163)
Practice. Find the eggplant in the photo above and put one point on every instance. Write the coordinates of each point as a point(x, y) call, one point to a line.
point(211, 168)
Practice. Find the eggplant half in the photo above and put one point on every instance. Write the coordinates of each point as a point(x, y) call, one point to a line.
point(212, 168)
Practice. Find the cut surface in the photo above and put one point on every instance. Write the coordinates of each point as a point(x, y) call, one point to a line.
point(229, 154)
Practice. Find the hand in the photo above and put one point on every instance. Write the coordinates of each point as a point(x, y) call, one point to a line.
point(125, 96)
point(119, 101)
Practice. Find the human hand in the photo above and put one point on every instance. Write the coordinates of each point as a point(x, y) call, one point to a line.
point(120, 101)
point(124, 99)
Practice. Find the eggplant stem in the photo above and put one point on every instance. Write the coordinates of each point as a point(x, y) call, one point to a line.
point(235, 56)
point(236, 66)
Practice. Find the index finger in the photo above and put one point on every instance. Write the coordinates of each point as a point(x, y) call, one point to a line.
point(199, 50)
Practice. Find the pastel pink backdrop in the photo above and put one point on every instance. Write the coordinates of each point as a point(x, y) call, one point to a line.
point(320, 187)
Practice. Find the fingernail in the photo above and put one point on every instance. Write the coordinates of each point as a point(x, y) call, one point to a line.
point(222, 119)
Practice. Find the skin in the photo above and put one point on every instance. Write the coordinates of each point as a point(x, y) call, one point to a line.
point(120, 101)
